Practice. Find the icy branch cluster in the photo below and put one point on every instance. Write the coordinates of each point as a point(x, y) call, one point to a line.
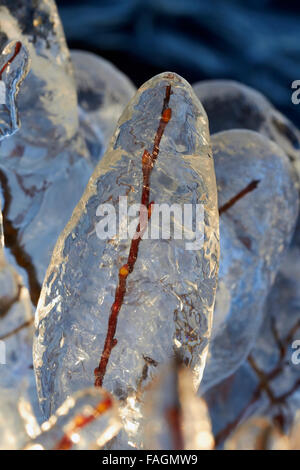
point(139, 342)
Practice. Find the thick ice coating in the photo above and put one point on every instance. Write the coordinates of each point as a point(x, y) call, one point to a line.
point(113, 305)
point(47, 107)
point(233, 105)
point(258, 205)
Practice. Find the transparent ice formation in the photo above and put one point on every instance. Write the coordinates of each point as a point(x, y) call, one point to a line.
point(102, 92)
point(261, 433)
point(44, 168)
point(169, 295)
point(87, 420)
point(18, 396)
point(269, 380)
point(50, 82)
point(17, 421)
point(16, 316)
point(174, 417)
point(258, 203)
point(17, 381)
point(233, 105)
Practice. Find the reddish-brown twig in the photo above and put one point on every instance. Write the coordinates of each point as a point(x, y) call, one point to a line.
point(251, 186)
point(148, 161)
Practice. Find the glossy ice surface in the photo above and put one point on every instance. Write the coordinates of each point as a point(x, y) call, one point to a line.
point(17, 381)
point(268, 381)
point(170, 293)
point(254, 233)
point(14, 65)
point(45, 167)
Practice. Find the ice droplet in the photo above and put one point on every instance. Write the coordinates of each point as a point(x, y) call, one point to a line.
point(170, 293)
point(255, 229)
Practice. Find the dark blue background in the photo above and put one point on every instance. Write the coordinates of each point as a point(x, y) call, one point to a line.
point(256, 42)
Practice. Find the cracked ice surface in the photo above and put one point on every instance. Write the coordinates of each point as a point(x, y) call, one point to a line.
point(254, 234)
point(170, 294)
point(47, 164)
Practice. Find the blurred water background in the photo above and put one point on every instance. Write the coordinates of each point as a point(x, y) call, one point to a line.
point(253, 41)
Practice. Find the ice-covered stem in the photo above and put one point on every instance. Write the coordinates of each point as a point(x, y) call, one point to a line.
point(251, 186)
point(16, 330)
point(11, 237)
point(148, 161)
